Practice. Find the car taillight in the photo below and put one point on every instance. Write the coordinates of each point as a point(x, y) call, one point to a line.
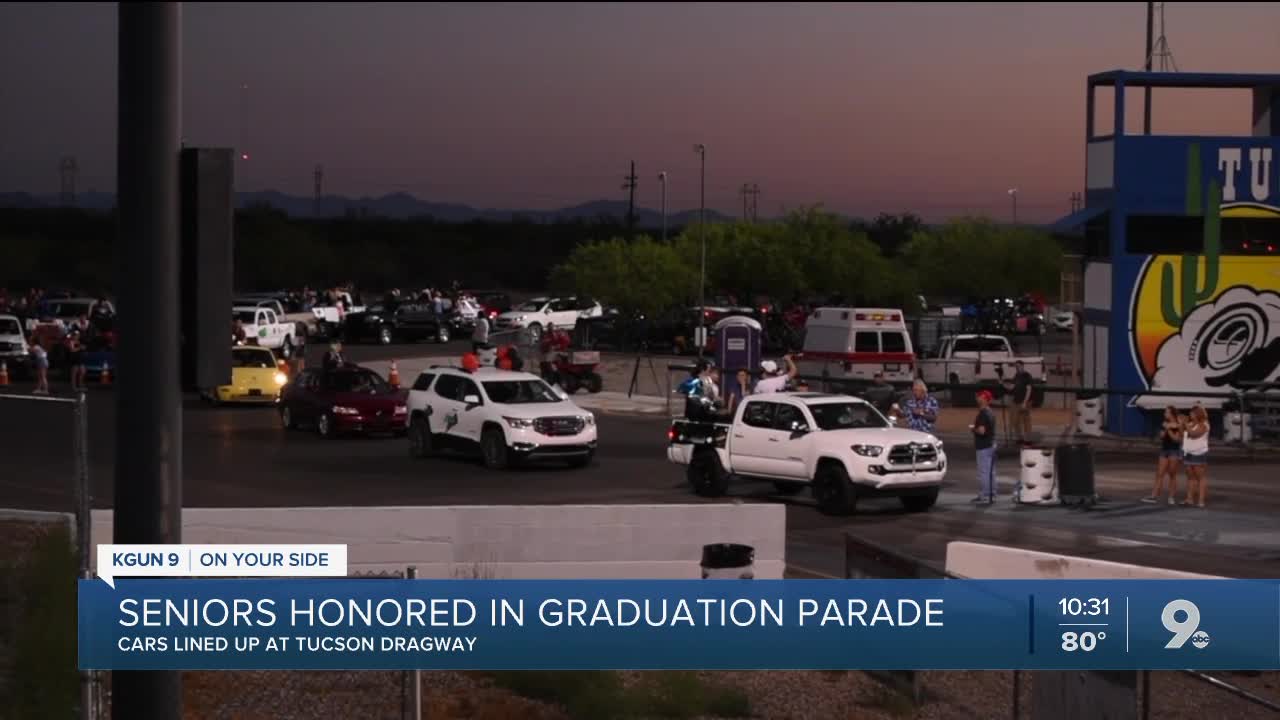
point(671, 433)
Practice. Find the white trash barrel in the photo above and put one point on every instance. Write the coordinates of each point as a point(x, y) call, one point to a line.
point(1089, 417)
point(1237, 427)
point(728, 561)
point(1037, 476)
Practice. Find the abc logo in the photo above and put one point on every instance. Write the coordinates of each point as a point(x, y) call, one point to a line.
point(1200, 640)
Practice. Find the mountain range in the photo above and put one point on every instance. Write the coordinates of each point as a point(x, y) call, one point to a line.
point(398, 206)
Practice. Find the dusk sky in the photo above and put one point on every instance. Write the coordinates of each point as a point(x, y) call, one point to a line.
point(863, 107)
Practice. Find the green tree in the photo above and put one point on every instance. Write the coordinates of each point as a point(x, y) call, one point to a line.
point(642, 274)
point(977, 257)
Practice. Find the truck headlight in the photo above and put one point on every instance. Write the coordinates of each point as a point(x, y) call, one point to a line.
point(281, 378)
point(519, 423)
point(867, 450)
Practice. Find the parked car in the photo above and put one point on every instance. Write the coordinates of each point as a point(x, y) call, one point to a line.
point(504, 416)
point(838, 446)
point(388, 322)
point(536, 314)
point(14, 352)
point(350, 399)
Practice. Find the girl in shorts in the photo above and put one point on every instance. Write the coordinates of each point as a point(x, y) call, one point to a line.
point(1170, 457)
point(40, 363)
point(1195, 455)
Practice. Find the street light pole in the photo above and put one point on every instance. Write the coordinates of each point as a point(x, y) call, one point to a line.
point(702, 232)
point(662, 178)
point(1013, 196)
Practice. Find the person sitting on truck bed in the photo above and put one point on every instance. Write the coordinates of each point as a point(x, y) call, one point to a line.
point(701, 392)
point(774, 381)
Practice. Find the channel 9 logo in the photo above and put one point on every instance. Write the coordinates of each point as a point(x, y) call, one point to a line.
point(1186, 628)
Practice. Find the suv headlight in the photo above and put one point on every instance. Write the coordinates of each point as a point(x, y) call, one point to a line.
point(867, 450)
point(589, 419)
point(519, 423)
point(344, 410)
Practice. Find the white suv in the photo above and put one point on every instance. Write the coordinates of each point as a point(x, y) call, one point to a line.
point(539, 313)
point(509, 417)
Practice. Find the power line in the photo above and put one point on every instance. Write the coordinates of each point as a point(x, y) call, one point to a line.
point(750, 201)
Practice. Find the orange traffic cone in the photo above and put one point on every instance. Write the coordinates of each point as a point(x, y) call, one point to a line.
point(393, 376)
point(4, 374)
point(105, 379)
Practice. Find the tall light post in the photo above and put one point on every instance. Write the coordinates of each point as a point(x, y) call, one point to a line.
point(702, 232)
point(1013, 197)
point(662, 178)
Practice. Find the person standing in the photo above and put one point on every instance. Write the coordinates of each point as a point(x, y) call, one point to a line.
point(774, 381)
point(75, 359)
point(1195, 455)
point(480, 335)
point(984, 445)
point(40, 363)
point(738, 391)
point(1021, 400)
point(921, 408)
point(1170, 457)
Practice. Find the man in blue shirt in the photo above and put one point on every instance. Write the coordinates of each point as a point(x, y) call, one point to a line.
point(921, 408)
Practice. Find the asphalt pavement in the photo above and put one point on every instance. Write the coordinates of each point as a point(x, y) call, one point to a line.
point(235, 457)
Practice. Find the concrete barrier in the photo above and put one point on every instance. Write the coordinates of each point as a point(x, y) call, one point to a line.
point(505, 541)
point(993, 562)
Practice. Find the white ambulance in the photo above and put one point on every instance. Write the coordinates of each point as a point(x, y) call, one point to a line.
point(857, 343)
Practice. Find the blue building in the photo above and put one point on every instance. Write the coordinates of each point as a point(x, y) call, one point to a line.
point(1182, 263)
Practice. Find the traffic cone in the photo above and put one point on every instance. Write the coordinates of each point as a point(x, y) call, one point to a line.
point(4, 373)
point(105, 378)
point(393, 376)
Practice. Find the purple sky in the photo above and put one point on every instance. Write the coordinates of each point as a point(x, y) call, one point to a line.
point(864, 107)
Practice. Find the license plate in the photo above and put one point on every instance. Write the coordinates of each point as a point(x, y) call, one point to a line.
point(892, 367)
point(255, 393)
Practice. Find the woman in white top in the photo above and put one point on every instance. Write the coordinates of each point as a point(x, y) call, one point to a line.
point(1195, 455)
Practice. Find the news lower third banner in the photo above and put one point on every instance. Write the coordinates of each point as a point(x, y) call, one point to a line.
point(333, 624)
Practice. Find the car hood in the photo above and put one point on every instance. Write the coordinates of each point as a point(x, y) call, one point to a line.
point(533, 411)
point(17, 339)
point(365, 401)
point(513, 314)
point(886, 437)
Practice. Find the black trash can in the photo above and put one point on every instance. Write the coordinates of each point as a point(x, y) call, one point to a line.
point(1073, 468)
point(728, 561)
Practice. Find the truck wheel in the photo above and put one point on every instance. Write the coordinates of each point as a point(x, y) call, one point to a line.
point(787, 488)
point(707, 475)
point(833, 491)
point(920, 503)
point(595, 383)
point(442, 335)
point(421, 444)
point(384, 335)
point(493, 447)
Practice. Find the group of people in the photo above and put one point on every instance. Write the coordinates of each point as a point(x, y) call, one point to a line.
point(705, 399)
point(1184, 443)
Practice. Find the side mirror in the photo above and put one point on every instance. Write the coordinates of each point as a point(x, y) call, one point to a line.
point(471, 400)
point(559, 391)
point(799, 427)
point(547, 311)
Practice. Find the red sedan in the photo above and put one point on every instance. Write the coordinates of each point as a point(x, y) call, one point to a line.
point(345, 400)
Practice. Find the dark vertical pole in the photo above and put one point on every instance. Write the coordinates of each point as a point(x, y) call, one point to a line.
point(702, 232)
point(1146, 91)
point(148, 469)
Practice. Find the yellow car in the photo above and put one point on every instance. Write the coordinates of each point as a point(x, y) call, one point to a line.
point(255, 377)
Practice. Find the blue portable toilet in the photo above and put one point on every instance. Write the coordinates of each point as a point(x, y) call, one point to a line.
point(738, 342)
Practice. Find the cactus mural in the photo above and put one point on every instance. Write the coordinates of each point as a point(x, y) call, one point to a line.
point(1178, 302)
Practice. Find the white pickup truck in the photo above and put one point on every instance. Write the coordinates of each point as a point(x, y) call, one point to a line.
point(329, 318)
point(840, 446)
point(263, 327)
point(976, 359)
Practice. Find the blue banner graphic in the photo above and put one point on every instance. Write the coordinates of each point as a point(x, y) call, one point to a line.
point(329, 624)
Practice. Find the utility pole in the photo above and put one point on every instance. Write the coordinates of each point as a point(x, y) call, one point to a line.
point(319, 178)
point(702, 231)
point(754, 192)
point(68, 169)
point(1146, 91)
point(1013, 197)
point(148, 456)
point(745, 191)
point(662, 178)
point(630, 187)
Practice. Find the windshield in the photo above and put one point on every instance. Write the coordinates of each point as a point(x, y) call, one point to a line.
point(845, 416)
point(531, 306)
point(9, 326)
point(520, 392)
point(359, 381)
point(251, 358)
point(984, 344)
point(244, 317)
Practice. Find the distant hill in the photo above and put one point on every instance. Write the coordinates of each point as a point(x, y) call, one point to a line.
point(398, 206)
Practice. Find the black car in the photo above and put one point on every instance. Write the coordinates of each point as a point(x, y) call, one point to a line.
point(389, 322)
